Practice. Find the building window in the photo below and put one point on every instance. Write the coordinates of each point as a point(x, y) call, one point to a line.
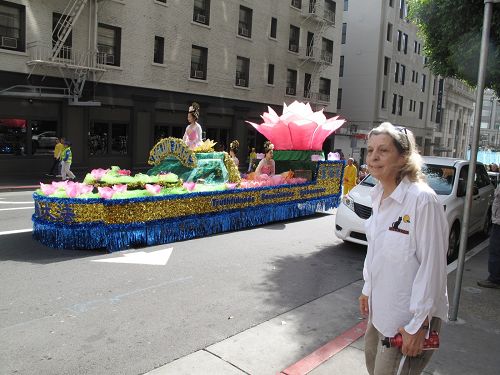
point(270, 74)
point(400, 106)
point(423, 82)
point(396, 73)
point(341, 66)
point(291, 82)
point(405, 43)
point(391, 3)
point(245, 22)
point(389, 32)
point(330, 10)
point(339, 99)
point(324, 89)
point(307, 85)
point(344, 33)
point(293, 39)
point(346, 5)
point(161, 1)
point(159, 50)
point(199, 62)
point(402, 9)
point(394, 103)
point(109, 44)
point(403, 74)
point(415, 46)
point(12, 26)
point(296, 4)
point(416, 78)
point(400, 37)
point(242, 71)
point(57, 21)
point(327, 50)
point(387, 64)
point(108, 139)
point(383, 99)
point(274, 27)
point(201, 11)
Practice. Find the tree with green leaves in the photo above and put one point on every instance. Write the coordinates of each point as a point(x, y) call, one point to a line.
point(452, 32)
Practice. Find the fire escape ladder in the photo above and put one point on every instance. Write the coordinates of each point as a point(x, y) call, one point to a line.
point(65, 25)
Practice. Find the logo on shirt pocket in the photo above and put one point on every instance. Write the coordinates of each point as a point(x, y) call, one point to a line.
point(395, 227)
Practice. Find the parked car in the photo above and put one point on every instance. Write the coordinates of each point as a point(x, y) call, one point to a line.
point(46, 139)
point(448, 178)
point(494, 177)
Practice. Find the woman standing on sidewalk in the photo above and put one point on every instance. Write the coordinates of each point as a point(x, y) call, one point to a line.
point(405, 266)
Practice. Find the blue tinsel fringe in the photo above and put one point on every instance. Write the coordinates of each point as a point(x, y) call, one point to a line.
point(121, 236)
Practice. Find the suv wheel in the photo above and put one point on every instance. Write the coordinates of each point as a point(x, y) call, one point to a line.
point(487, 223)
point(453, 242)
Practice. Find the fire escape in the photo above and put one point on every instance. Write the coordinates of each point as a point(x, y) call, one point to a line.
point(318, 55)
point(73, 65)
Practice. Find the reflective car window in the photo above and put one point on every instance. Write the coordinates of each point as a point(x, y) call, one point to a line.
point(439, 177)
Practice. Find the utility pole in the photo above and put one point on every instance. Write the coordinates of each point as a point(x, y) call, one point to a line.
point(483, 58)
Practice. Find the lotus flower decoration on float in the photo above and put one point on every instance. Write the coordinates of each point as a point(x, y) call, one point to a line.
point(298, 128)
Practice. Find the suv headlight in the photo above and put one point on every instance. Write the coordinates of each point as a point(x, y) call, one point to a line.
point(347, 200)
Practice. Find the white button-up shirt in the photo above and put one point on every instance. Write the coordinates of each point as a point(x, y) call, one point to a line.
point(405, 265)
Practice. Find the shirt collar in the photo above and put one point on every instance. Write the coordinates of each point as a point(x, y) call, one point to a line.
point(398, 194)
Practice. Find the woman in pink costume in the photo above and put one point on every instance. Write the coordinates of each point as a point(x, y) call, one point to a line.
point(267, 165)
point(193, 135)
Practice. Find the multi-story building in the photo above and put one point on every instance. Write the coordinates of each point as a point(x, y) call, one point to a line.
point(490, 121)
point(383, 77)
point(114, 76)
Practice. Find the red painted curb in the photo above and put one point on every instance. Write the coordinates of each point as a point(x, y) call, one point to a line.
point(327, 351)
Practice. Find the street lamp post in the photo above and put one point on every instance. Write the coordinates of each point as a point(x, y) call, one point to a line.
point(483, 58)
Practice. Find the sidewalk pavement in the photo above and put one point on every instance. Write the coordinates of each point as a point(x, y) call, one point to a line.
point(321, 337)
point(32, 182)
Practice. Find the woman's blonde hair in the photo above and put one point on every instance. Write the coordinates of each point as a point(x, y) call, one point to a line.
point(404, 140)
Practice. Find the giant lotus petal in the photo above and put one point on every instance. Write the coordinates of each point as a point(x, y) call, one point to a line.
point(298, 128)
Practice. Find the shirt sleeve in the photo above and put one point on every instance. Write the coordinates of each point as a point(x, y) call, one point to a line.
point(431, 248)
point(273, 167)
point(259, 167)
point(199, 133)
point(367, 287)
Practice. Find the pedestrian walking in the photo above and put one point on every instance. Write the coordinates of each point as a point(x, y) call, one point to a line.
point(55, 170)
point(405, 266)
point(350, 176)
point(493, 280)
point(66, 159)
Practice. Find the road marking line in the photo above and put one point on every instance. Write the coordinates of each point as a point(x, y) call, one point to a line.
point(16, 208)
point(474, 251)
point(154, 258)
point(17, 202)
point(16, 231)
point(327, 351)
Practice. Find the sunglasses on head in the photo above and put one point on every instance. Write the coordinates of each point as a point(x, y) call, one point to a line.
point(401, 129)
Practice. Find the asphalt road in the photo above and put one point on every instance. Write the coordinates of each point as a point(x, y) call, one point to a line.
point(61, 312)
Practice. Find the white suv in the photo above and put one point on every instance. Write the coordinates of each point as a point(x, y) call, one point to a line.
point(448, 178)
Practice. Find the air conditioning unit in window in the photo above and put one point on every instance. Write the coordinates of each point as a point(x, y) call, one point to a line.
point(241, 82)
point(110, 59)
point(200, 18)
point(290, 91)
point(8, 42)
point(294, 48)
point(244, 31)
point(198, 74)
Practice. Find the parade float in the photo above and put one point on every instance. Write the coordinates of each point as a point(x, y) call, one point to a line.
point(189, 193)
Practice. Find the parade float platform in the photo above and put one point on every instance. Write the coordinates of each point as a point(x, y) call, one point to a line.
point(117, 224)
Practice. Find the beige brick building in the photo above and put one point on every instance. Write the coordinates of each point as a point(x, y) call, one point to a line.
point(384, 78)
point(116, 75)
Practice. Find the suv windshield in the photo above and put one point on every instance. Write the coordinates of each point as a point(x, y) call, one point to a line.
point(439, 177)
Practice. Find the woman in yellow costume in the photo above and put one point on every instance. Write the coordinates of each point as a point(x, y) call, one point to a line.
point(350, 176)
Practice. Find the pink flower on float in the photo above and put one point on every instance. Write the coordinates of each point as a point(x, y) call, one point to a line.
point(47, 189)
point(189, 186)
point(230, 185)
point(121, 188)
point(298, 128)
point(124, 172)
point(72, 191)
point(98, 173)
point(105, 192)
point(153, 189)
point(85, 189)
point(60, 184)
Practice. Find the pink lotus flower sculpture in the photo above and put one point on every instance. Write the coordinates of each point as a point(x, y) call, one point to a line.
point(105, 192)
point(124, 172)
point(47, 189)
point(121, 188)
point(189, 186)
point(98, 173)
point(298, 128)
point(153, 189)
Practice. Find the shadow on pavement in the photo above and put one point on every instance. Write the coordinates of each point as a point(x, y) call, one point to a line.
point(21, 247)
